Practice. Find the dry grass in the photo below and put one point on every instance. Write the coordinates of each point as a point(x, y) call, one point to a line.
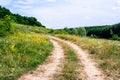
point(106, 53)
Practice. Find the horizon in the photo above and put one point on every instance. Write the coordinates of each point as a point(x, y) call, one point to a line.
point(58, 14)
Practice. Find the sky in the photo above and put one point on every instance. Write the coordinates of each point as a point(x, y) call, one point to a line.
point(58, 14)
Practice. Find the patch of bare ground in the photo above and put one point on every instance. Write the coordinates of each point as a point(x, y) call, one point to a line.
point(49, 68)
point(90, 66)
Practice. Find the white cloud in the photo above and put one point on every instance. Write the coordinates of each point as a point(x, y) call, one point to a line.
point(24, 2)
point(118, 2)
point(51, 0)
point(70, 13)
point(87, 17)
point(5, 2)
point(21, 7)
point(73, 14)
point(116, 6)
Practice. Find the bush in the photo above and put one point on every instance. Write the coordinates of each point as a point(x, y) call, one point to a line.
point(3, 29)
point(81, 31)
point(60, 32)
point(5, 26)
point(115, 37)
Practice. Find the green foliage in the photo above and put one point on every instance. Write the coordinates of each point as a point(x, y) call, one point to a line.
point(60, 32)
point(106, 31)
point(3, 30)
point(4, 12)
point(81, 31)
point(26, 20)
point(75, 31)
point(5, 26)
point(115, 37)
point(39, 30)
point(26, 29)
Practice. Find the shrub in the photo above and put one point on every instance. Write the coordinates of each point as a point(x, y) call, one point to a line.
point(81, 31)
point(5, 26)
point(115, 37)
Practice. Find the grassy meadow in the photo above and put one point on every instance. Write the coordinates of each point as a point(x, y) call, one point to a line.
point(21, 52)
point(105, 52)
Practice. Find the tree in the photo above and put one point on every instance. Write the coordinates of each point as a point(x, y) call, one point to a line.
point(75, 31)
point(115, 37)
point(5, 26)
point(7, 21)
point(81, 31)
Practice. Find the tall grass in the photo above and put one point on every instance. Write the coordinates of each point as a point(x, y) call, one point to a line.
point(106, 53)
point(27, 28)
point(22, 52)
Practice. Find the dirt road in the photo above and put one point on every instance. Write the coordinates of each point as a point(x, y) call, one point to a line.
point(90, 67)
point(51, 67)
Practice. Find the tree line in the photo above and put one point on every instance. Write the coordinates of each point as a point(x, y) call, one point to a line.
point(18, 18)
point(105, 31)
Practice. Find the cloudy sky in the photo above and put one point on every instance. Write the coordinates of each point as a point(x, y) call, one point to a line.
point(67, 13)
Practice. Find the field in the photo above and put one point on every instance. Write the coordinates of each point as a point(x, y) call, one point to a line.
point(28, 46)
point(21, 52)
point(105, 52)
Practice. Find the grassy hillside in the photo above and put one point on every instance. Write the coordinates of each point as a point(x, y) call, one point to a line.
point(106, 53)
point(27, 28)
point(22, 51)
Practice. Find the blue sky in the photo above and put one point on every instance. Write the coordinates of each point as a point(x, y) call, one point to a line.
point(67, 13)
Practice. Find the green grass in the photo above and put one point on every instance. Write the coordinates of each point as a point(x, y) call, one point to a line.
point(106, 53)
point(22, 52)
point(27, 28)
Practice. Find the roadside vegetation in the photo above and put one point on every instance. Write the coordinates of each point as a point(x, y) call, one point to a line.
point(105, 52)
point(72, 69)
point(21, 48)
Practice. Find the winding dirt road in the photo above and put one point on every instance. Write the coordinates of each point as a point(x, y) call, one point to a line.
point(51, 67)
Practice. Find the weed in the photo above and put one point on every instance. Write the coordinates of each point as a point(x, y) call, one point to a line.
point(22, 52)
